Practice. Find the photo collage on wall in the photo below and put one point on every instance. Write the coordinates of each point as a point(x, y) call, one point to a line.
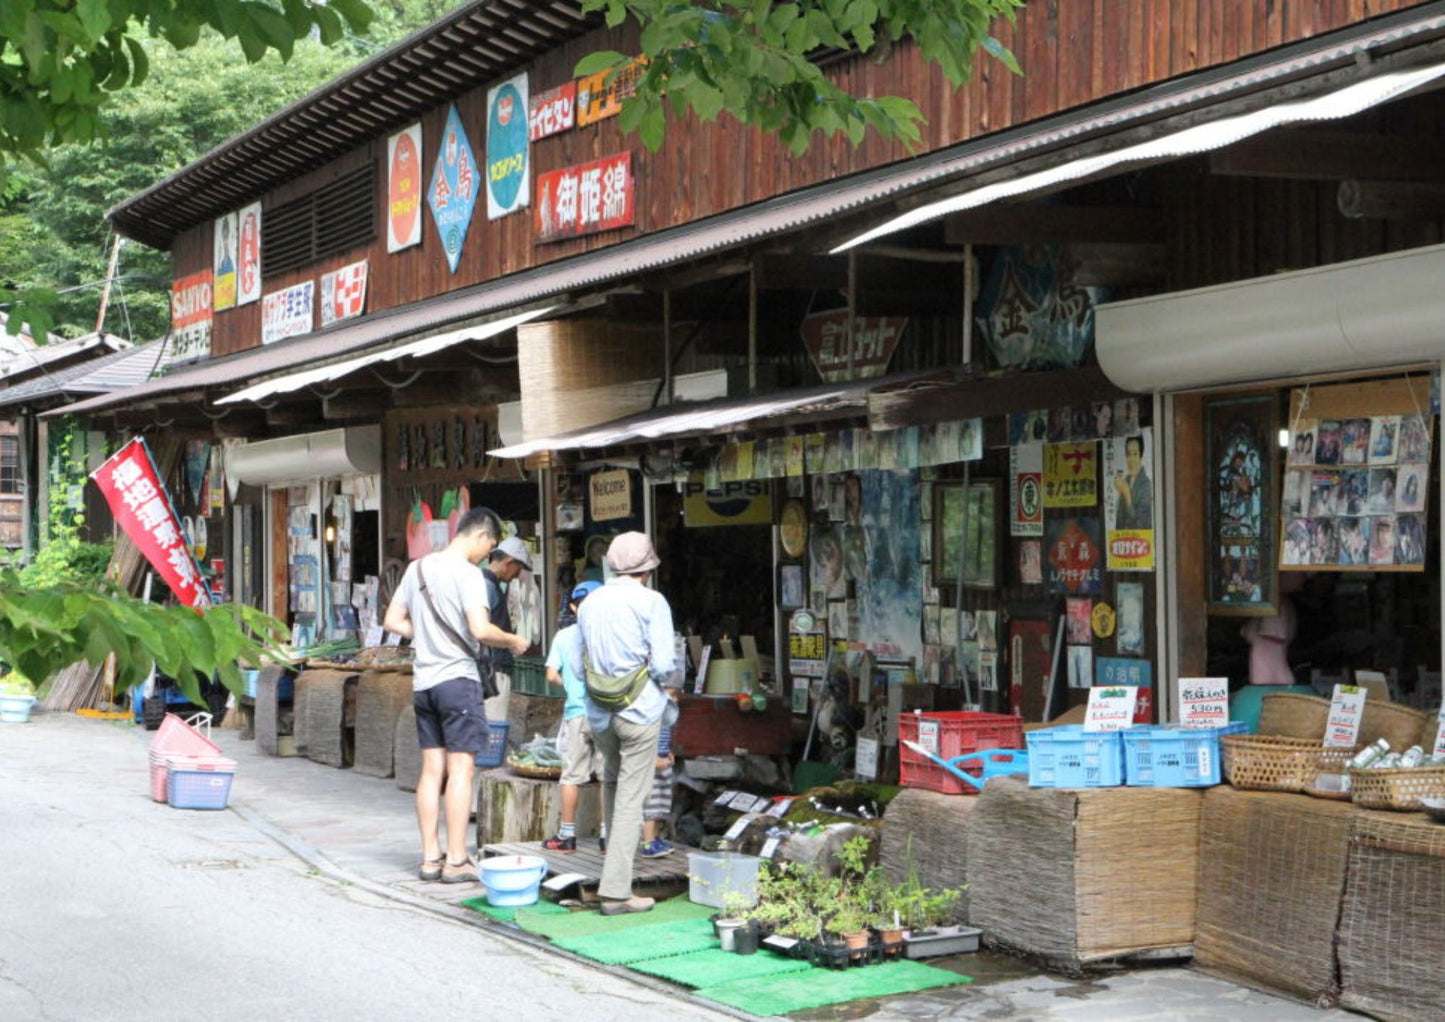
point(1354, 493)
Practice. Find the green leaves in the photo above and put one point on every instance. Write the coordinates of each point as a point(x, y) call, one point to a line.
point(750, 58)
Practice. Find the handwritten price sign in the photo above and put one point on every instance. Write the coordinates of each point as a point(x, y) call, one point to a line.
point(1203, 702)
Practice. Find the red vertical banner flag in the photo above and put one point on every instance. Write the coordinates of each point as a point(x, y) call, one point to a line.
point(142, 508)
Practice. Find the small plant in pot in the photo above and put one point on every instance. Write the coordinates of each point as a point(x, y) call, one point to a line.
point(17, 697)
point(732, 918)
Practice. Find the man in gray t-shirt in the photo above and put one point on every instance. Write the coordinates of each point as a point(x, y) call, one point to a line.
point(441, 606)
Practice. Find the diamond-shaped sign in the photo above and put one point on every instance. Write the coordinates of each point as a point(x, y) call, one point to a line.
point(455, 185)
point(1075, 555)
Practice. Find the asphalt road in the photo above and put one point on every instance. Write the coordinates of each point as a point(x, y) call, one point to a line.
point(115, 907)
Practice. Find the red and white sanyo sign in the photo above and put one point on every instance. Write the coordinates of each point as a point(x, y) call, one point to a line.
point(875, 338)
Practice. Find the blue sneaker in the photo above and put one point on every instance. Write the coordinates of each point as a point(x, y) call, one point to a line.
point(655, 849)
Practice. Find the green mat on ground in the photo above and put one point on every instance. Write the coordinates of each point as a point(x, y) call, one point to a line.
point(714, 966)
point(795, 991)
point(640, 943)
point(585, 924)
point(507, 915)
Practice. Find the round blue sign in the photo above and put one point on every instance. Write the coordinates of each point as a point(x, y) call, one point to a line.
point(506, 146)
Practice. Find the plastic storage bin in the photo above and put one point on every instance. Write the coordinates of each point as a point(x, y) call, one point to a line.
point(1069, 757)
point(711, 876)
point(175, 738)
point(529, 677)
point(949, 735)
point(199, 782)
point(496, 749)
point(1169, 756)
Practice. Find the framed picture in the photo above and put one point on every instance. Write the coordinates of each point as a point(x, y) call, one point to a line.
point(791, 594)
point(980, 560)
point(1241, 440)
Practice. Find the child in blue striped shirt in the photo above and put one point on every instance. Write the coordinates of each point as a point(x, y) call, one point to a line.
point(659, 800)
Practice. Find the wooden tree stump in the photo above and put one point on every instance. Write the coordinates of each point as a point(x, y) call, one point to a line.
point(512, 808)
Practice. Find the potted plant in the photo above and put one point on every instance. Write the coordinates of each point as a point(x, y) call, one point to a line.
point(17, 697)
point(731, 918)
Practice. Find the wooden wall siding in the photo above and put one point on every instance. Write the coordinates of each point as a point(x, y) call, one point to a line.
point(1073, 52)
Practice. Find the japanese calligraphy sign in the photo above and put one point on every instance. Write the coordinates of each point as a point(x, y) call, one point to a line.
point(454, 186)
point(191, 317)
point(598, 98)
point(1203, 702)
point(808, 652)
point(403, 189)
point(343, 293)
point(142, 508)
point(1026, 490)
point(1347, 707)
point(1110, 708)
point(288, 312)
point(585, 199)
point(1070, 474)
point(875, 338)
point(1129, 503)
point(223, 264)
point(552, 112)
point(1073, 555)
point(508, 173)
point(1137, 674)
point(248, 264)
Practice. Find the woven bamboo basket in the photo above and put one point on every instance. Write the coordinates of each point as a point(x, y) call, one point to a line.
point(1400, 788)
point(1336, 762)
point(1294, 715)
point(536, 773)
point(1396, 724)
point(1270, 762)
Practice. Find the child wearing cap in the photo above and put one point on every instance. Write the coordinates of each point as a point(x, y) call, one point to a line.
point(579, 753)
point(658, 806)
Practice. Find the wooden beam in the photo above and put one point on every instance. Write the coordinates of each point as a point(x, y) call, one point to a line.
point(1115, 264)
point(304, 413)
point(801, 272)
point(246, 423)
point(1035, 224)
point(356, 403)
point(1391, 200)
point(1310, 154)
point(989, 395)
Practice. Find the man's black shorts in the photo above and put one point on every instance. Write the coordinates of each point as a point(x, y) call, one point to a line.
point(450, 716)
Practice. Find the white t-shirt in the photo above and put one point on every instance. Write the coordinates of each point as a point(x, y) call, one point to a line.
point(455, 586)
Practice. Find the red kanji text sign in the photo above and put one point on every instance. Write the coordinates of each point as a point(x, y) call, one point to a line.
point(585, 199)
point(142, 508)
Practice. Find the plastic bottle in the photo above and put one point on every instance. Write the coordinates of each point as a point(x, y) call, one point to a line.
point(1370, 754)
point(1412, 757)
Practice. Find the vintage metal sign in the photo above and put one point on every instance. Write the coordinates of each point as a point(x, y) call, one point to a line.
point(1026, 490)
point(288, 312)
point(1071, 474)
point(403, 189)
point(343, 293)
point(223, 264)
point(585, 199)
point(1075, 560)
point(454, 187)
point(142, 508)
point(191, 317)
point(552, 112)
point(598, 98)
point(875, 338)
point(508, 172)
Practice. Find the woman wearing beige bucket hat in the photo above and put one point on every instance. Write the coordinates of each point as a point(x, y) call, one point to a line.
point(626, 653)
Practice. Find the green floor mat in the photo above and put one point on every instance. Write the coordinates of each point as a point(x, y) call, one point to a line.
point(795, 991)
point(640, 943)
point(714, 966)
point(587, 923)
point(507, 915)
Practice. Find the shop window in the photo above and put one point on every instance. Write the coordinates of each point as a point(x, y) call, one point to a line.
point(333, 219)
point(9, 465)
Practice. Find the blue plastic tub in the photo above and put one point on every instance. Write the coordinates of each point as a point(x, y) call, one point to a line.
point(1069, 757)
point(1168, 756)
point(512, 880)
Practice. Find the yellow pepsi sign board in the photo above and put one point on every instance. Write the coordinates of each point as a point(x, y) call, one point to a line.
point(745, 502)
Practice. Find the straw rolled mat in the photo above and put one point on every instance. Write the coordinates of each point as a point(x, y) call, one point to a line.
point(1271, 880)
point(932, 830)
point(407, 758)
point(1075, 876)
point(1392, 928)
point(321, 717)
point(380, 698)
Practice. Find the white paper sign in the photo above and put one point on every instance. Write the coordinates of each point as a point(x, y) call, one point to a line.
point(699, 681)
point(1342, 730)
point(725, 798)
point(769, 849)
point(1111, 708)
point(739, 825)
point(780, 808)
point(866, 764)
point(1203, 702)
point(1440, 735)
point(928, 735)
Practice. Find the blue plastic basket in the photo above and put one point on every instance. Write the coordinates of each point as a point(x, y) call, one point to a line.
point(496, 749)
point(1069, 757)
point(206, 788)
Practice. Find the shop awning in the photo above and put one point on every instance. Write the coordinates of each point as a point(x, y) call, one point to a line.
point(1192, 141)
point(336, 370)
point(704, 418)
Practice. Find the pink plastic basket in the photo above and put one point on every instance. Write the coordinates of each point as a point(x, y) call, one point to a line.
point(175, 738)
point(199, 782)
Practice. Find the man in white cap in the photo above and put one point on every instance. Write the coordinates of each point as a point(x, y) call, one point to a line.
point(510, 558)
point(627, 652)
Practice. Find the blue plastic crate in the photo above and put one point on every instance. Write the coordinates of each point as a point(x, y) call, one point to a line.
point(496, 749)
point(198, 789)
point(1069, 757)
point(1169, 756)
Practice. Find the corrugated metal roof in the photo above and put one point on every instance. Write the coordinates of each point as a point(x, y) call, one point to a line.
point(114, 371)
point(1292, 71)
point(477, 43)
point(31, 360)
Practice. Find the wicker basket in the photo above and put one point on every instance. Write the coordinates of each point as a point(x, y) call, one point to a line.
point(535, 773)
point(1270, 762)
point(1332, 761)
point(1396, 724)
point(1400, 788)
point(1293, 715)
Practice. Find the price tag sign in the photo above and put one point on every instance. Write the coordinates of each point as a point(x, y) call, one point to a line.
point(780, 808)
point(736, 830)
point(928, 734)
point(1111, 707)
point(725, 798)
point(769, 849)
point(1203, 702)
point(1342, 730)
point(743, 801)
point(866, 764)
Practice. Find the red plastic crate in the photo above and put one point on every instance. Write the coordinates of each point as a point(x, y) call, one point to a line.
point(950, 734)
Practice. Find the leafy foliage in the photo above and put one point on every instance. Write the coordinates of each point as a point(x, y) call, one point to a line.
point(751, 58)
